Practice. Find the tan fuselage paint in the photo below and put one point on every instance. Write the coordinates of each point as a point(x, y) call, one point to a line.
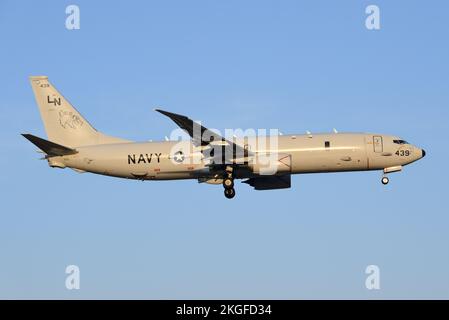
point(309, 154)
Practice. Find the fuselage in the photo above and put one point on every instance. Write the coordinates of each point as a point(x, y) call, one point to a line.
point(310, 153)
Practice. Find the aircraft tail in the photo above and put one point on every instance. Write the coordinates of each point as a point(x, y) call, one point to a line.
point(63, 123)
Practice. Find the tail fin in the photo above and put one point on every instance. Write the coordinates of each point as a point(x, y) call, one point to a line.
point(63, 123)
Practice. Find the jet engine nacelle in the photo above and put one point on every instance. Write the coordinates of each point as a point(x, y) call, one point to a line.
point(271, 163)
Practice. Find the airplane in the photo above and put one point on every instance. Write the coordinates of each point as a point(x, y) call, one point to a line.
point(207, 156)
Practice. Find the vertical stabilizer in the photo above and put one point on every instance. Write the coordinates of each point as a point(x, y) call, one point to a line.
point(63, 123)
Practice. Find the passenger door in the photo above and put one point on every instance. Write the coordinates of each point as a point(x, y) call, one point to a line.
point(378, 144)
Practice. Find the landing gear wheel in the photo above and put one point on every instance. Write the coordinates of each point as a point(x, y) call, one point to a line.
point(229, 193)
point(385, 180)
point(228, 183)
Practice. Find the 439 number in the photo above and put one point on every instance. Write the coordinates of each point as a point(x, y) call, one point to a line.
point(403, 153)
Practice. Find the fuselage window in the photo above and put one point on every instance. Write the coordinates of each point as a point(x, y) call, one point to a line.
point(327, 144)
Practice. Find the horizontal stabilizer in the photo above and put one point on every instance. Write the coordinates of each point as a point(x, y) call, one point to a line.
point(50, 148)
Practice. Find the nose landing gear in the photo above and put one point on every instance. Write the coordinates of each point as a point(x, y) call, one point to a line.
point(387, 170)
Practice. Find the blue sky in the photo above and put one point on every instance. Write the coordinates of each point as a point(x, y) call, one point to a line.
point(291, 65)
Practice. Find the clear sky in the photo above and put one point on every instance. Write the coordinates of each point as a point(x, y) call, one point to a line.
point(291, 65)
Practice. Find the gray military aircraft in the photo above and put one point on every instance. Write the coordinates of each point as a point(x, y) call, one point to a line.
point(265, 162)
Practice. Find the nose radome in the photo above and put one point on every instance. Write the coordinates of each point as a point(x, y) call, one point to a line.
point(423, 153)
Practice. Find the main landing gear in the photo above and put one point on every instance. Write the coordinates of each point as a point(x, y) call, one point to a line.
point(228, 184)
point(229, 193)
point(385, 180)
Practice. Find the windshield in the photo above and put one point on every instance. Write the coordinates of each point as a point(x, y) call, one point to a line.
point(400, 142)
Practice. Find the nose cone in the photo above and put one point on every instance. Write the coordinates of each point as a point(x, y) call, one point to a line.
point(423, 153)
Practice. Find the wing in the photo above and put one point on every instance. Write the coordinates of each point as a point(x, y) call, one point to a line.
point(202, 136)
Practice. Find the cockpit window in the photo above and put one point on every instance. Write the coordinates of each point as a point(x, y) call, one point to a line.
point(400, 142)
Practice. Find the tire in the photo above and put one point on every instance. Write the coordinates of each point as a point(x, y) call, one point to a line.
point(228, 183)
point(385, 180)
point(229, 193)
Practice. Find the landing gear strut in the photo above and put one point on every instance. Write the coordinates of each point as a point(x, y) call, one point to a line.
point(228, 184)
point(385, 180)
